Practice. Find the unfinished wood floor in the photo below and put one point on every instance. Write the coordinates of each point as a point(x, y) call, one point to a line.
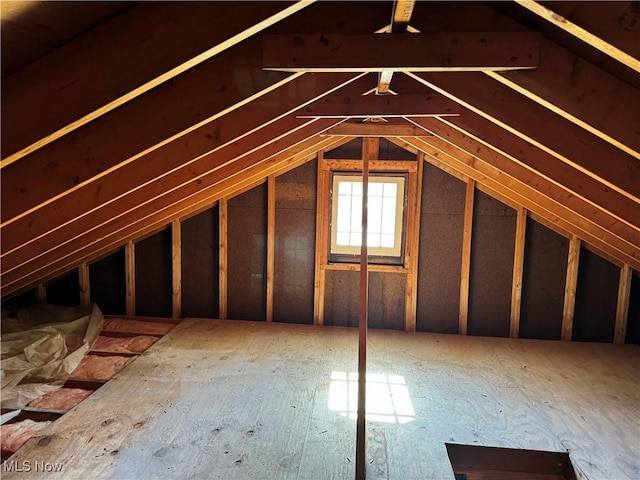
point(225, 399)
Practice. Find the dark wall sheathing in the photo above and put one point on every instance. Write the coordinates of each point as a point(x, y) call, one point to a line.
point(200, 237)
point(596, 298)
point(65, 290)
point(153, 275)
point(350, 150)
point(492, 249)
point(341, 298)
point(390, 151)
point(24, 299)
point(543, 282)
point(107, 279)
point(247, 255)
point(387, 300)
point(440, 254)
point(295, 244)
point(633, 315)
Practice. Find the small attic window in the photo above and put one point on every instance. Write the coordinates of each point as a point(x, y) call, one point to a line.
point(386, 202)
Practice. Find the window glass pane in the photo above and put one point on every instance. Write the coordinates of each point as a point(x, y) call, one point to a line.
point(344, 213)
point(386, 240)
point(375, 189)
point(388, 215)
point(356, 214)
point(356, 189)
point(390, 190)
point(344, 188)
point(355, 239)
point(342, 238)
point(375, 214)
point(373, 239)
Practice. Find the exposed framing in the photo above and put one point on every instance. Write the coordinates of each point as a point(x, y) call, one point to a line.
point(85, 284)
point(271, 244)
point(573, 262)
point(518, 267)
point(176, 268)
point(130, 278)
point(622, 307)
point(223, 218)
point(465, 271)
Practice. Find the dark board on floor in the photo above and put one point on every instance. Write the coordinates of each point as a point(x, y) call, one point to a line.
point(108, 284)
point(247, 262)
point(294, 256)
point(440, 254)
point(543, 282)
point(596, 298)
point(491, 276)
point(153, 275)
point(201, 264)
point(65, 290)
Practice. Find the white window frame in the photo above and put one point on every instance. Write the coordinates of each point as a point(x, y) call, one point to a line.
point(344, 252)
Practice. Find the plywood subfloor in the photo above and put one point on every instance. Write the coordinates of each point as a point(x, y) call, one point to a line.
point(224, 399)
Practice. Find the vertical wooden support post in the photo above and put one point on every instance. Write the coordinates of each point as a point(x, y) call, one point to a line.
point(85, 289)
point(176, 267)
point(412, 245)
point(622, 308)
point(573, 262)
point(271, 243)
point(369, 152)
point(130, 277)
point(222, 208)
point(518, 266)
point(466, 257)
point(322, 227)
point(41, 294)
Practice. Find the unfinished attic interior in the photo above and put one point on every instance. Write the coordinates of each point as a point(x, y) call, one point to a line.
point(314, 240)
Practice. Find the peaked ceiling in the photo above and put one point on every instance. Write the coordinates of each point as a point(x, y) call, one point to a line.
point(119, 118)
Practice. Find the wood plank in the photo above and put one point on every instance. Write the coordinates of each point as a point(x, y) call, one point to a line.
point(322, 239)
point(518, 266)
point(130, 277)
point(517, 153)
point(465, 271)
point(137, 128)
point(370, 148)
point(622, 234)
point(622, 307)
point(41, 293)
point(382, 106)
point(159, 215)
point(271, 243)
point(391, 128)
point(176, 268)
point(586, 35)
point(402, 10)
point(541, 127)
point(500, 400)
point(260, 122)
point(69, 81)
point(573, 262)
point(517, 193)
point(165, 194)
point(449, 51)
point(349, 165)
point(223, 235)
point(412, 245)
point(85, 284)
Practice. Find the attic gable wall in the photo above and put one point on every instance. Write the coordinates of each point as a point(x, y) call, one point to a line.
point(439, 272)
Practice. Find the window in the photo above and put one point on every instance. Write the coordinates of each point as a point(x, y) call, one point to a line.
point(386, 201)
